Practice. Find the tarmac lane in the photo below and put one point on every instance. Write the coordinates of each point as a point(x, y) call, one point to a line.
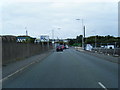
point(67, 69)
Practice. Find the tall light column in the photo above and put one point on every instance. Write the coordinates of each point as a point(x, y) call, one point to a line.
point(53, 38)
point(83, 33)
point(95, 39)
point(53, 35)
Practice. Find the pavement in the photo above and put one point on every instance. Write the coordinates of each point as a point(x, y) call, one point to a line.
point(67, 69)
point(16, 66)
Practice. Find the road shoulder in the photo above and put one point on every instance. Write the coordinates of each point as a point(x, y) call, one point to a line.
point(103, 56)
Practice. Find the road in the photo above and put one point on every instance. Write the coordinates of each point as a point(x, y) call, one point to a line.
point(67, 69)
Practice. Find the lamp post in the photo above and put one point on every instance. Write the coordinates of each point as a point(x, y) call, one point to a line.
point(59, 28)
point(83, 28)
point(53, 38)
point(95, 39)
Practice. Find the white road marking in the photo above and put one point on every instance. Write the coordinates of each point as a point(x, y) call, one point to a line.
point(102, 85)
point(1, 80)
point(16, 72)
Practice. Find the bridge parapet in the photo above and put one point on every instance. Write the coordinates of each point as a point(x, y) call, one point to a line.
point(12, 51)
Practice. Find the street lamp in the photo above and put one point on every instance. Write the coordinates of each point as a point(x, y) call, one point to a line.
point(83, 28)
point(52, 34)
point(53, 39)
point(95, 39)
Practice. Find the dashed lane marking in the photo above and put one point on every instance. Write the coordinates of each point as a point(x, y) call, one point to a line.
point(102, 85)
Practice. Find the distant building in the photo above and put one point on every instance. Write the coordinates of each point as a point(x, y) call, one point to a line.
point(22, 38)
point(25, 39)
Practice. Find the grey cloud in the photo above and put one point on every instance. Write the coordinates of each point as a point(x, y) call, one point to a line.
point(40, 17)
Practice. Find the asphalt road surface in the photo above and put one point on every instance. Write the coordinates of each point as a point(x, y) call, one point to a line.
point(67, 69)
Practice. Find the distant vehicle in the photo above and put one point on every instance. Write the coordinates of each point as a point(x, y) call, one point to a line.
point(59, 48)
point(62, 46)
point(66, 47)
point(110, 46)
point(102, 46)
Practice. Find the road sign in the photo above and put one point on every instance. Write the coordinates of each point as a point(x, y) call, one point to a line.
point(44, 38)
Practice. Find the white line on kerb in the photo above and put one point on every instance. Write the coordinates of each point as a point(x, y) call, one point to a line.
point(102, 85)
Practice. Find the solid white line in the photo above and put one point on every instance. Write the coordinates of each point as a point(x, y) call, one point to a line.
point(102, 85)
point(16, 72)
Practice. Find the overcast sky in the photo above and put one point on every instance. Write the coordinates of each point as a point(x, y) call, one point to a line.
point(42, 16)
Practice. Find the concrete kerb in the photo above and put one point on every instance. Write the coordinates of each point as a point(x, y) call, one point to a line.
point(39, 59)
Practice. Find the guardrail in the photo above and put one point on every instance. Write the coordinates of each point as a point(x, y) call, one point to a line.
point(114, 52)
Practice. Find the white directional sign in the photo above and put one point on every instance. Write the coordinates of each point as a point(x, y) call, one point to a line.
point(44, 38)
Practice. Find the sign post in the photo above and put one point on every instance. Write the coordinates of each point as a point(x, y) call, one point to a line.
point(43, 39)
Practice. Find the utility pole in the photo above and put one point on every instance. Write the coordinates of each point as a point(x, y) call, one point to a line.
point(53, 38)
point(48, 42)
point(84, 37)
point(115, 48)
point(95, 41)
point(52, 35)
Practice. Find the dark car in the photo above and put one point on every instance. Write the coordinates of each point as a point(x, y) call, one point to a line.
point(62, 46)
point(59, 48)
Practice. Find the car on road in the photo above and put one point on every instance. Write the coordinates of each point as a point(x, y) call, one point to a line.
point(59, 48)
point(62, 46)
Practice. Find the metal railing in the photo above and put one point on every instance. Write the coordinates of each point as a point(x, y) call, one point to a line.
point(114, 52)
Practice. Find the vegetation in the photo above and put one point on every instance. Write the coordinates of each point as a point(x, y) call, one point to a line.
point(100, 40)
point(30, 40)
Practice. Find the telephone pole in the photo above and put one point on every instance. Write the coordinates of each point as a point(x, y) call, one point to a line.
point(84, 37)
